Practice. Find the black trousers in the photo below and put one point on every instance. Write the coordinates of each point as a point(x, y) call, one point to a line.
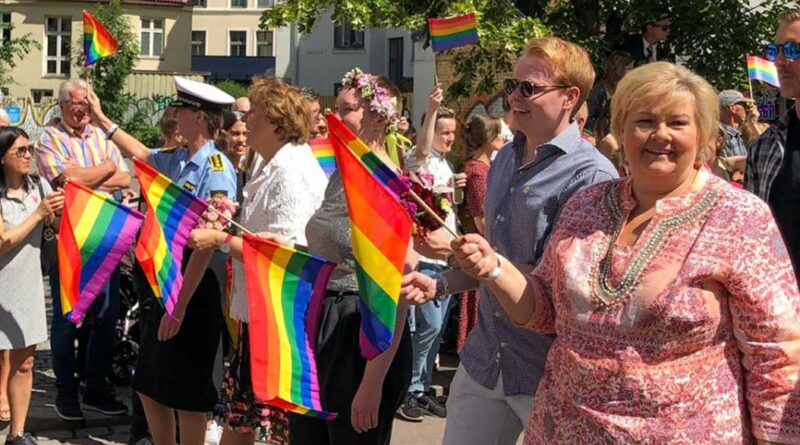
point(340, 368)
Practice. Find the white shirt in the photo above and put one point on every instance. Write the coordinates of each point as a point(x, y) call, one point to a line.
point(434, 167)
point(647, 45)
point(279, 197)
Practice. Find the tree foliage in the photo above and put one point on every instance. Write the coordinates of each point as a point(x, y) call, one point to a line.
point(12, 50)
point(712, 36)
point(232, 87)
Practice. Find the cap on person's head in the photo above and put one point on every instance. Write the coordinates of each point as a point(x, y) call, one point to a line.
point(731, 97)
point(199, 95)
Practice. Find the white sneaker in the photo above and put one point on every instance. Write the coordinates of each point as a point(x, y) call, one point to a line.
point(213, 433)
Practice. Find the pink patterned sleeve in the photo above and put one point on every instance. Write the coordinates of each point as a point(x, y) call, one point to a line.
point(765, 305)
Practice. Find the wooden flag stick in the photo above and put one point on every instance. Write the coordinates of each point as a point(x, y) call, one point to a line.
point(432, 213)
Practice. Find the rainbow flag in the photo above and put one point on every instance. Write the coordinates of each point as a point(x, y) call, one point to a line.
point(95, 232)
point(97, 41)
point(763, 70)
point(172, 213)
point(453, 32)
point(323, 151)
point(380, 231)
point(285, 288)
point(383, 173)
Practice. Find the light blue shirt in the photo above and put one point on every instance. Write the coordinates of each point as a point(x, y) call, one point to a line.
point(208, 173)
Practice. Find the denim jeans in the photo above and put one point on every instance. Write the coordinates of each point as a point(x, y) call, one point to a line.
point(100, 319)
point(428, 324)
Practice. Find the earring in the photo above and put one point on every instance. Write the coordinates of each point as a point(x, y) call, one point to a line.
point(697, 165)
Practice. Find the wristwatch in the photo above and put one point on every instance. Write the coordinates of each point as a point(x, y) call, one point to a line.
point(442, 287)
point(226, 244)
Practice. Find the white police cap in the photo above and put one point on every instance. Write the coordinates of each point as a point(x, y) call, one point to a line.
point(200, 95)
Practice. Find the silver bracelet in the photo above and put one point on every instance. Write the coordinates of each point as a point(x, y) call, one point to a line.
point(495, 273)
point(111, 131)
point(442, 286)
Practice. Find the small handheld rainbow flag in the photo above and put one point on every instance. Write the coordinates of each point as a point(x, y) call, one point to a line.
point(763, 70)
point(453, 32)
point(97, 41)
point(380, 231)
point(285, 288)
point(323, 151)
point(172, 213)
point(95, 232)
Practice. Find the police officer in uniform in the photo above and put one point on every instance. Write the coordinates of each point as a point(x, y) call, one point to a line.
point(176, 355)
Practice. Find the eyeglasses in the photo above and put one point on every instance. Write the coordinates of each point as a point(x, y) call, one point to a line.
point(22, 151)
point(527, 88)
point(664, 28)
point(791, 50)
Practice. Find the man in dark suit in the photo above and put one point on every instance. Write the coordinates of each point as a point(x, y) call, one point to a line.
point(649, 45)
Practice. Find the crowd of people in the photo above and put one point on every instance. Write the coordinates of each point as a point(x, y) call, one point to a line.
point(626, 270)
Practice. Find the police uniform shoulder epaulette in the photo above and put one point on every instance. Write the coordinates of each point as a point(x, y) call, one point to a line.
point(216, 162)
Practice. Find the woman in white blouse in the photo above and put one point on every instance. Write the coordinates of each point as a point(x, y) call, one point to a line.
point(285, 188)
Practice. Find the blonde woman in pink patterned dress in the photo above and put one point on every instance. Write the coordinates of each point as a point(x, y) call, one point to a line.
point(676, 310)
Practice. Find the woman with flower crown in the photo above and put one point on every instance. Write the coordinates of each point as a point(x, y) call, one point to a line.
point(365, 394)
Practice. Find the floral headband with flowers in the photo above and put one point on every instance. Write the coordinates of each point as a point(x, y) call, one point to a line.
point(380, 101)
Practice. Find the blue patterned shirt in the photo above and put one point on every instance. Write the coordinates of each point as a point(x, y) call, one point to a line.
point(521, 206)
point(735, 145)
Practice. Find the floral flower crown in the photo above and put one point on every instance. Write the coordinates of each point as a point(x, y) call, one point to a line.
point(380, 101)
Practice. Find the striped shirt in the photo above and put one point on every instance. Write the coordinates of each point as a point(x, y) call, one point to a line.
point(521, 206)
point(60, 143)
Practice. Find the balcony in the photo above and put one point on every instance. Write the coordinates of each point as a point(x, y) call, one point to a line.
point(239, 68)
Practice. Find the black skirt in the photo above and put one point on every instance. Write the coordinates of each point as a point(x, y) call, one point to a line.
point(340, 368)
point(177, 373)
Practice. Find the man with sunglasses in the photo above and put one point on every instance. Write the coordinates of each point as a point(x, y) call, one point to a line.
point(530, 180)
point(773, 161)
point(649, 45)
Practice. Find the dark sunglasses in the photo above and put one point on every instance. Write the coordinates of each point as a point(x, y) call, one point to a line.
point(791, 50)
point(30, 149)
point(527, 88)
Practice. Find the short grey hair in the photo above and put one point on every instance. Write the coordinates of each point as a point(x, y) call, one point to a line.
point(5, 119)
point(68, 87)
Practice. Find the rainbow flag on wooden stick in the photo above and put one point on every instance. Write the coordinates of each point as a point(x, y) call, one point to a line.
point(285, 288)
point(97, 41)
point(380, 231)
point(95, 232)
point(763, 70)
point(172, 213)
point(453, 32)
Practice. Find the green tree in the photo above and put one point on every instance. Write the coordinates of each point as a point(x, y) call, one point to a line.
point(713, 36)
point(12, 50)
point(232, 87)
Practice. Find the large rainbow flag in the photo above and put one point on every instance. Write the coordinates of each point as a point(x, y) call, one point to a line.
point(95, 232)
point(172, 213)
point(97, 41)
point(380, 231)
point(763, 70)
point(453, 32)
point(285, 288)
point(323, 151)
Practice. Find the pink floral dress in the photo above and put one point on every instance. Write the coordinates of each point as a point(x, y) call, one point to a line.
point(690, 336)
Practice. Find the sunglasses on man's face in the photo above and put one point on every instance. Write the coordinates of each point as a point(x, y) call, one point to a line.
point(664, 28)
point(21, 151)
point(527, 88)
point(791, 50)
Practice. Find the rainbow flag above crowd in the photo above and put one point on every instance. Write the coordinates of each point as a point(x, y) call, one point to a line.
point(285, 288)
point(453, 32)
point(323, 151)
point(763, 70)
point(95, 232)
point(97, 41)
point(381, 231)
point(172, 213)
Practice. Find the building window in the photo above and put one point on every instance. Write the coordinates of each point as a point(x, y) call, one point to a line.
point(238, 3)
point(346, 37)
point(6, 29)
point(199, 3)
point(151, 43)
point(396, 60)
point(59, 33)
point(238, 45)
point(198, 43)
point(265, 3)
point(40, 96)
point(264, 43)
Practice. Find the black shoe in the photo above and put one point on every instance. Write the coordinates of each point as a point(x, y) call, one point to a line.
point(429, 405)
point(22, 439)
point(105, 403)
point(67, 406)
point(409, 410)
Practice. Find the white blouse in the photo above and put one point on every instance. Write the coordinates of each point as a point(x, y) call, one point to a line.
point(279, 197)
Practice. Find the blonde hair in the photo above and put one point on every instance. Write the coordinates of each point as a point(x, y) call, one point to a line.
point(569, 62)
point(790, 16)
point(662, 82)
point(284, 106)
